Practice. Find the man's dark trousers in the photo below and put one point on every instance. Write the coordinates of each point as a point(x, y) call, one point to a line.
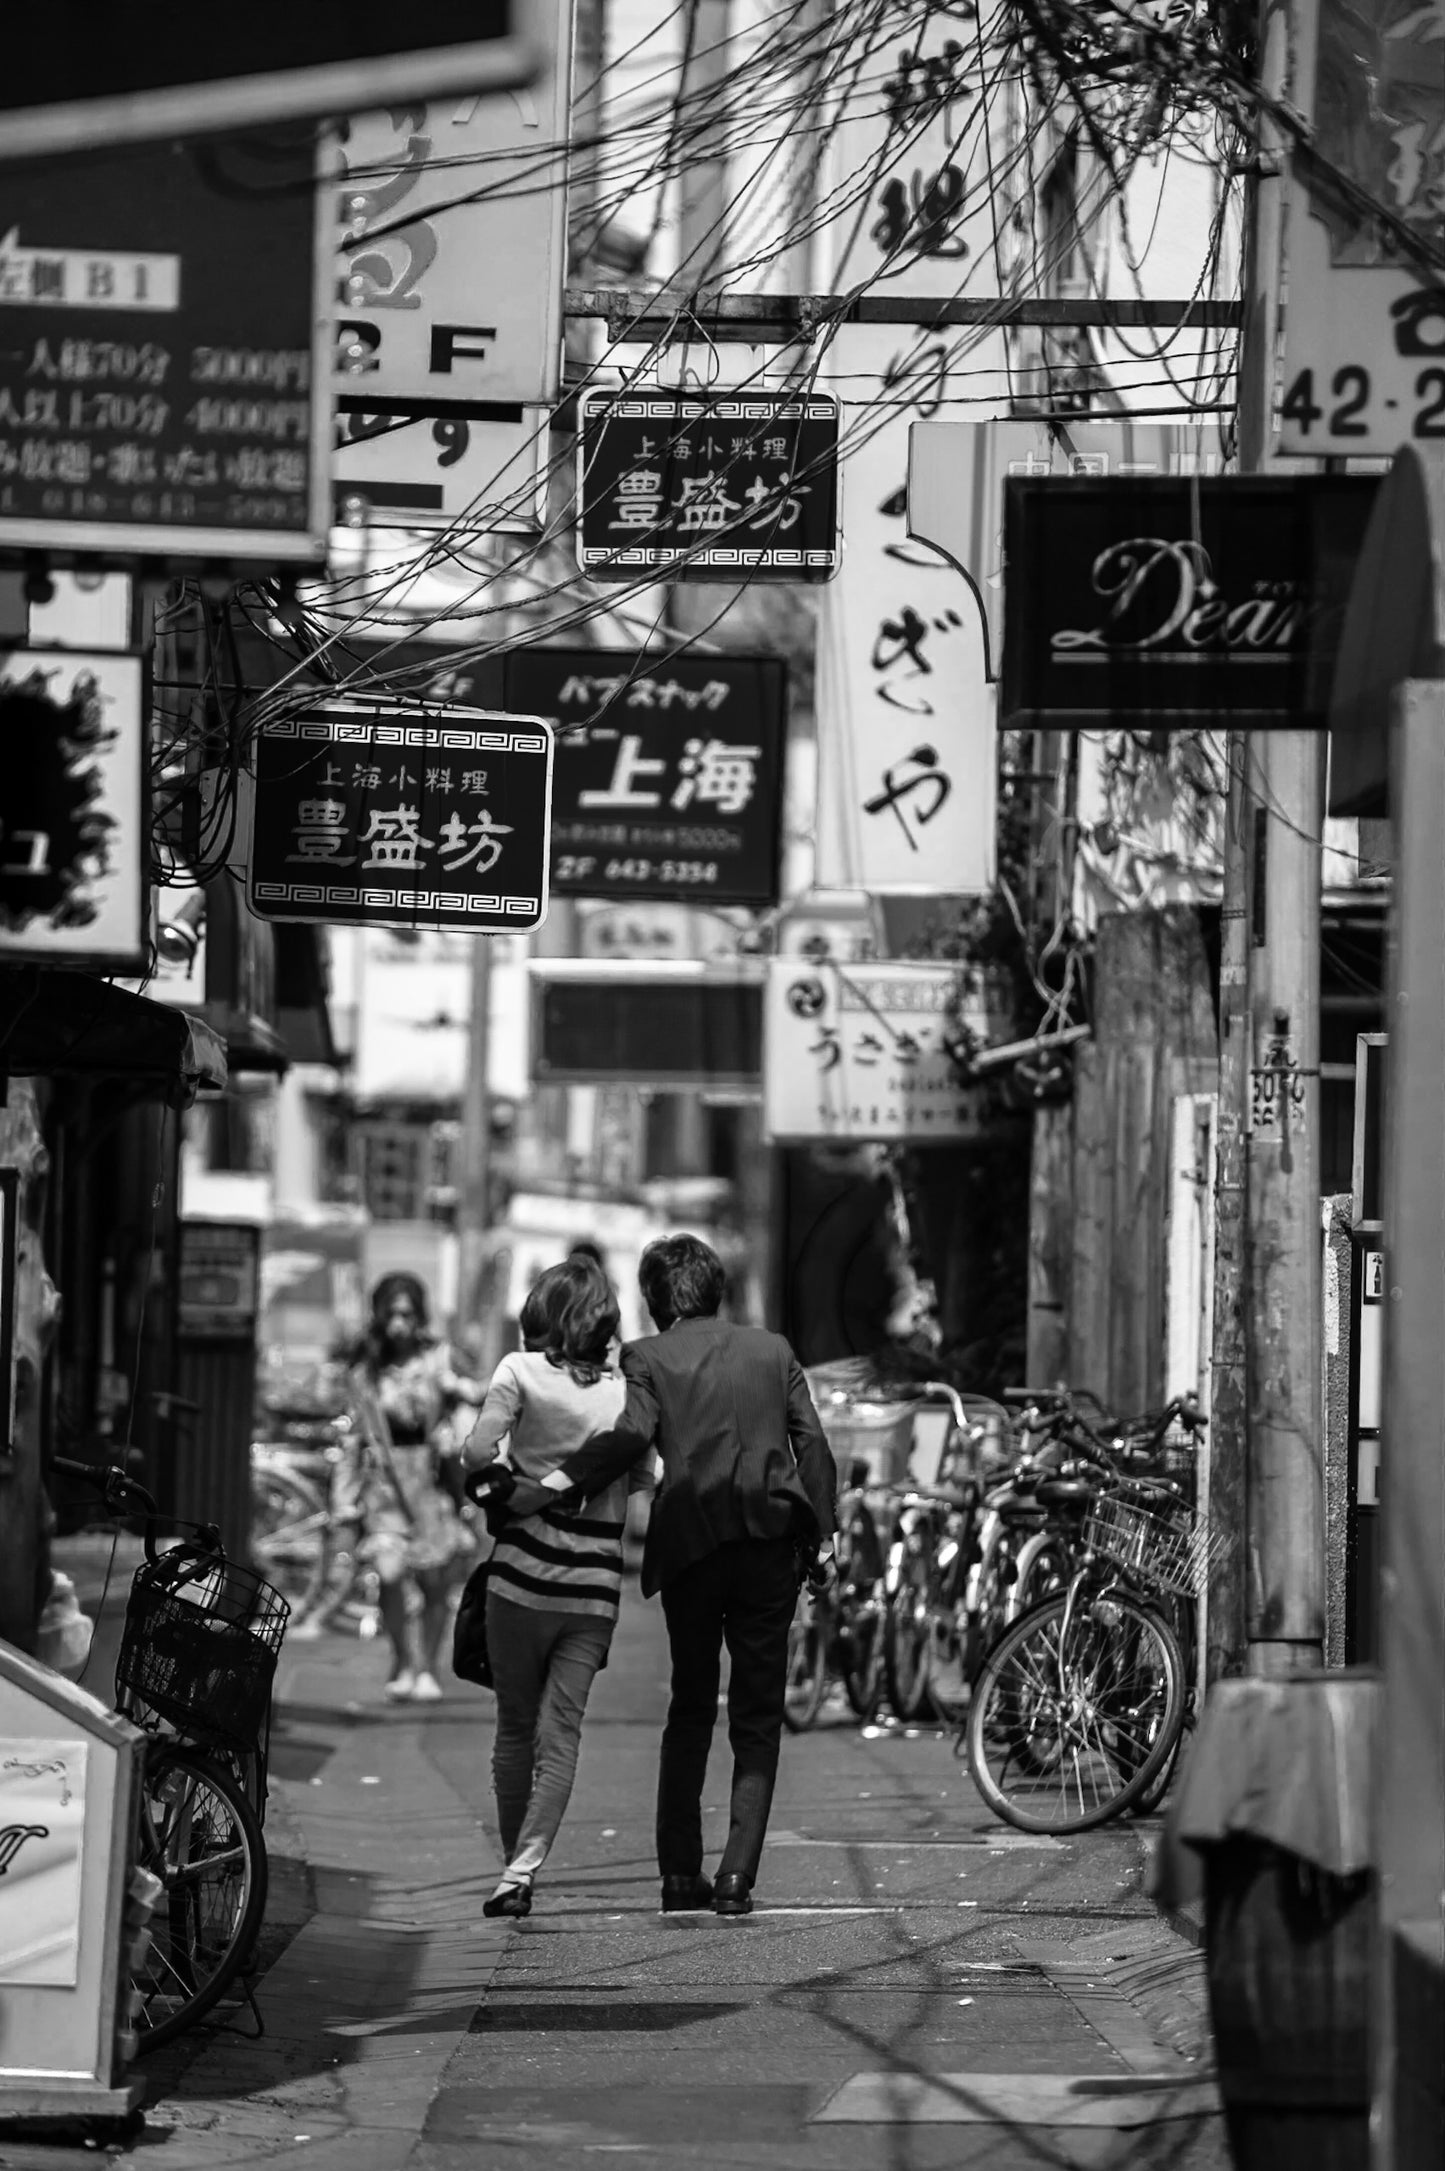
point(742, 1594)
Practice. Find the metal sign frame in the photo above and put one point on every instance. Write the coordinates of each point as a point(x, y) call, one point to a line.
point(125, 542)
point(388, 66)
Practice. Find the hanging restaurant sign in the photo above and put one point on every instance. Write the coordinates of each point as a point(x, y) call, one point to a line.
point(706, 488)
point(862, 1052)
point(165, 352)
point(383, 817)
point(74, 843)
point(669, 771)
point(1192, 600)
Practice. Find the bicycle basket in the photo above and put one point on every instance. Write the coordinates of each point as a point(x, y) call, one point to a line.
point(1164, 1545)
point(199, 1648)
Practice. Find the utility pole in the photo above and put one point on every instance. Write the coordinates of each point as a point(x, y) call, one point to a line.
point(1281, 804)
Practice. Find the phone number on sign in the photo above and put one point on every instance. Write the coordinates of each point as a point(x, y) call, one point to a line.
point(574, 868)
point(1340, 407)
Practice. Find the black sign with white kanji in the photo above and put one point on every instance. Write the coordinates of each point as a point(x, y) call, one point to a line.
point(737, 485)
point(399, 818)
point(669, 771)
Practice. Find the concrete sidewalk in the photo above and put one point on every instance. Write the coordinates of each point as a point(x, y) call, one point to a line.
point(918, 1986)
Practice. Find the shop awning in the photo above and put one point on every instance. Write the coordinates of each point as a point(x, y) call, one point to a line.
point(67, 1024)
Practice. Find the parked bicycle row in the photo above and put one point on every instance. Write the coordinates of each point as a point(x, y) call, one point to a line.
point(1037, 1594)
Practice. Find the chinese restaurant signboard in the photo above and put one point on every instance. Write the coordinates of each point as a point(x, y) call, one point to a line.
point(669, 771)
point(165, 353)
point(861, 1052)
point(385, 818)
point(725, 485)
point(74, 842)
point(1202, 600)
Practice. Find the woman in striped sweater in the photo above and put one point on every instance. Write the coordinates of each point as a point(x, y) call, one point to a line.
point(556, 1578)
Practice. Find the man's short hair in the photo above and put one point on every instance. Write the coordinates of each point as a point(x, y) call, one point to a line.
point(681, 1277)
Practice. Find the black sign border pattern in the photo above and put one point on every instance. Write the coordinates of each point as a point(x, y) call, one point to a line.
point(346, 904)
point(770, 562)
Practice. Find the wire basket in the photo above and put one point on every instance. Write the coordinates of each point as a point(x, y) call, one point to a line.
point(198, 1651)
point(1164, 1543)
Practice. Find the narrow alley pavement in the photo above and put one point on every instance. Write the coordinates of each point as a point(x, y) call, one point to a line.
point(918, 1987)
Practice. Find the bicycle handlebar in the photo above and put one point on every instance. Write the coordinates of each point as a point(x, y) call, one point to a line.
point(124, 1494)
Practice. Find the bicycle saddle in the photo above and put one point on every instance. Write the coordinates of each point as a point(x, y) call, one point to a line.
point(1064, 1492)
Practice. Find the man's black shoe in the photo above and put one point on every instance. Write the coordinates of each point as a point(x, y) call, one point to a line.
point(685, 1895)
point(733, 1894)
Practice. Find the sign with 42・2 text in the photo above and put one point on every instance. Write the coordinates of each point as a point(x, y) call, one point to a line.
point(1365, 317)
point(669, 778)
point(695, 488)
point(164, 352)
point(862, 1051)
point(379, 817)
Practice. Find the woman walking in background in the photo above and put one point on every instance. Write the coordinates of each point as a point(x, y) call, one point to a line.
point(556, 1578)
point(403, 1390)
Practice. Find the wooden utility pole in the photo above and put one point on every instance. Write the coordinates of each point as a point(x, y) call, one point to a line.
point(1225, 1641)
point(1283, 806)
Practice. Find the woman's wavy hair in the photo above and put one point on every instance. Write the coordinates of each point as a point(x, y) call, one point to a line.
point(681, 1277)
point(570, 1317)
point(383, 1296)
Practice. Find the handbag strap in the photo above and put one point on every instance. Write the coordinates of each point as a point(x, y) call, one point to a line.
point(378, 1438)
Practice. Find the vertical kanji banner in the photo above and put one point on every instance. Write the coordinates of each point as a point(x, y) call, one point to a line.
point(906, 716)
point(906, 737)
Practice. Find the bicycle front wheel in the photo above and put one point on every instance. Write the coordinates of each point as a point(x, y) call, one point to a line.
point(201, 1838)
point(807, 1680)
point(1075, 1712)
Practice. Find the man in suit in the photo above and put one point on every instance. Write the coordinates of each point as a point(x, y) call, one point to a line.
point(744, 1504)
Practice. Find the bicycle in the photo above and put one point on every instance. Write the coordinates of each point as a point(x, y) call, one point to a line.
point(1080, 1706)
point(194, 1671)
point(840, 1636)
point(947, 1569)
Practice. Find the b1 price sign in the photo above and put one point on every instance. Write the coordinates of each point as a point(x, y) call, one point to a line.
point(1364, 323)
point(724, 486)
point(669, 771)
point(165, 353)
point(390, 818)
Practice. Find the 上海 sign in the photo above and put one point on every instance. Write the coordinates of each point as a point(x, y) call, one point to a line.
point(78, 76)
point(73, 839)
point(669, 771)
point(381, 817)
point(1215, 598)
point(861, 1051)
point(701, 487)
point(165, 352)
point(1364, 327)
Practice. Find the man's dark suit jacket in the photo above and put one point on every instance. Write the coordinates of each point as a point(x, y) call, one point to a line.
point(743, 1453)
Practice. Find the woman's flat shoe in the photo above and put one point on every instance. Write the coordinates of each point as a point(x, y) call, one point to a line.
point(511, 1900)
point(399, 1688)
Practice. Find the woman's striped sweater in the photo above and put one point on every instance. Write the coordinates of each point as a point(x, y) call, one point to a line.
point(567, 1563)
